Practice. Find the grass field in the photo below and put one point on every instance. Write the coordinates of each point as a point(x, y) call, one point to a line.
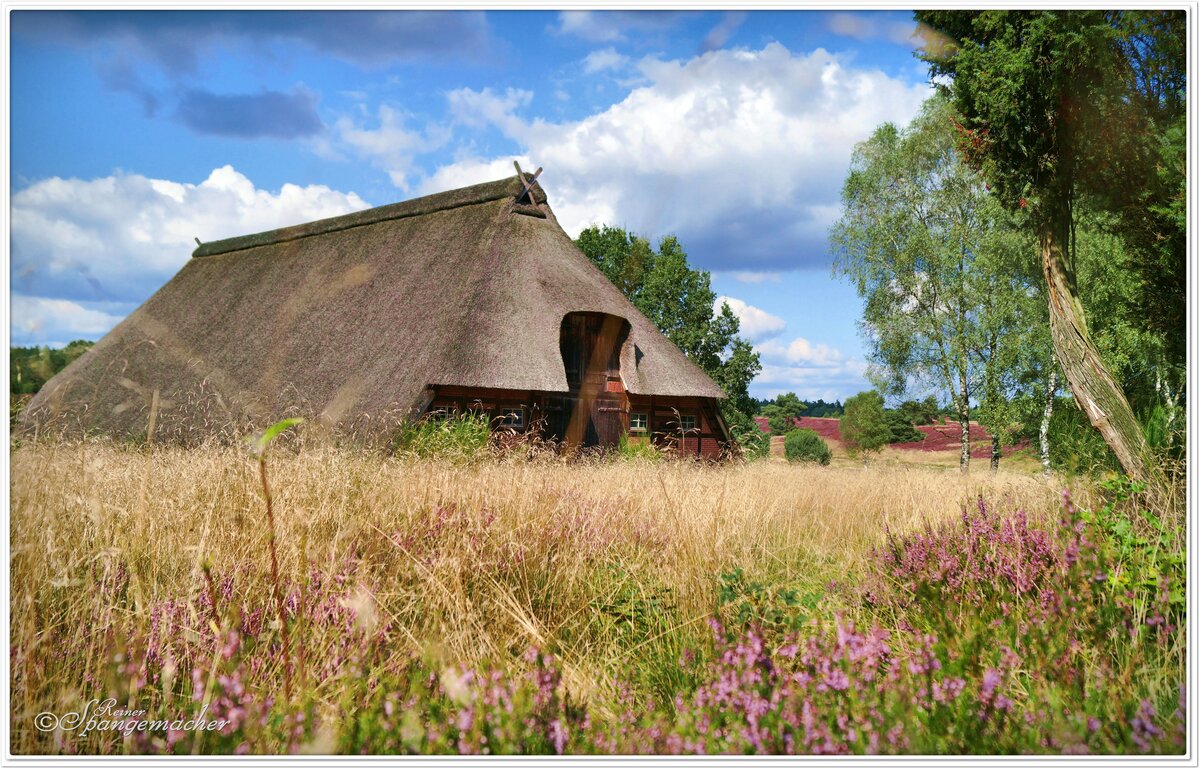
point(599, 606)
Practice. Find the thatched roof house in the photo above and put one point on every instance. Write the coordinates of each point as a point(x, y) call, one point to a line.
point(472, 298)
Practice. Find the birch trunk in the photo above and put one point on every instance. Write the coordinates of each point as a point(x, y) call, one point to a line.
point(964, 422)
point(1044, 434)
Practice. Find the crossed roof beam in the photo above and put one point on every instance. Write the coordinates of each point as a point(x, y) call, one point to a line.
point(526, 196)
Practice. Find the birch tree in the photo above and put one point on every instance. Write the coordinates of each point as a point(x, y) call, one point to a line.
point(916, 223)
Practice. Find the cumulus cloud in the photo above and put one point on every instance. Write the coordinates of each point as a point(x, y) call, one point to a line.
point(755, 324)
point(481, 108)
point(802, 352)
point(605, 58)
point(810, 370)
point(740, 153)
point(393, 144)
point(54, 322)
point(275, 114)
point(119, 238)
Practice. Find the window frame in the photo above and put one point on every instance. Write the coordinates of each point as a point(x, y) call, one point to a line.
point(504, 412)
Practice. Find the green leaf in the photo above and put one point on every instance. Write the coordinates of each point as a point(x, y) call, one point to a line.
point(258, 446)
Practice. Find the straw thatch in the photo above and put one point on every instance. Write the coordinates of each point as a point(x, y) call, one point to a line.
point(350, 319)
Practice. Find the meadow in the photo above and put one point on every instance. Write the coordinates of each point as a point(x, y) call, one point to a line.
point(505, 604)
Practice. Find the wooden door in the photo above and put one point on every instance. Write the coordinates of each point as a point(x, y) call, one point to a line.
point(591, 349)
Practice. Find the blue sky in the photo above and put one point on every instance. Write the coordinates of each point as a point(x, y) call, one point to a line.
point(132, 132)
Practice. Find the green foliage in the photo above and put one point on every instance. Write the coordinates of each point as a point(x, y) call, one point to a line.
point(259, 444)
point(924, 412)
point(776, 609)
point(1110, 289)
point(638, 450)
point(754, 443)
point(900, 429)
point(456, 436)
point(680, 301)
point(1140, 547)
point(817, 408)
point(1086, 105)
point(806, 446)
point(32, 367)
point(864, 426)
point(1075, 447)
point(1075, 112)
point(932, 254)
point(783, 413)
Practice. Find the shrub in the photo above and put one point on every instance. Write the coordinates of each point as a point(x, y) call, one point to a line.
point(454, 436)
point(753, 442)
point(806, 446)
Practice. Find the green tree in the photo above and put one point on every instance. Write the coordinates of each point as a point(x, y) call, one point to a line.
point(864, 425)
point(1059, 107)
point(783, 412)
point(680, 301)
point(32, 367)
point(900, 430)
point(925, 244)
point(923, 412)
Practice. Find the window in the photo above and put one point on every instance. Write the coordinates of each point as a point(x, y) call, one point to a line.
point(514, 418)
point(637, 423)
point(687, 423)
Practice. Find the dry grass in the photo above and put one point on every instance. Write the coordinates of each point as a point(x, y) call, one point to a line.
point(470, 561)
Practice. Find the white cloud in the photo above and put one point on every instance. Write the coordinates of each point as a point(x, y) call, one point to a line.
point(801, 352)
point(393, 144)
point(757, 277)
point(754, 324)
point(38, 320)
point(740, 153)
point(608, 26)
point(605, 58)
point(481, 108)
point(811, 370)
point(120, 237)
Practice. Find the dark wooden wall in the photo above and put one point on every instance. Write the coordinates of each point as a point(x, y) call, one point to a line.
point(549, 413)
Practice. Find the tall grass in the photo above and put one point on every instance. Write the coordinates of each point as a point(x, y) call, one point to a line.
point(407, 579)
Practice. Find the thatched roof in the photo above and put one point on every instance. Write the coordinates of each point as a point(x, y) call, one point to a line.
point(351, 318)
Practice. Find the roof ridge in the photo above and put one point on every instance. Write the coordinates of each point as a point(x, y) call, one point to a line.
point(427, 204)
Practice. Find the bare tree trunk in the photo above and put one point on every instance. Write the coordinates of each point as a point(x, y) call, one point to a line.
point(1094, 388)
point(995, 454)
point(1051, 387)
